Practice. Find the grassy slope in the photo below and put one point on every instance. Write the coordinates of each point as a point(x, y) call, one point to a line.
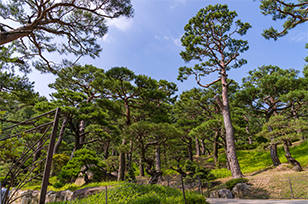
point(253, 160)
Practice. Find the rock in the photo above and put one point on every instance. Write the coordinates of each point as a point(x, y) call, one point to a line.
point(225, 193)
point(32, 196)
point(214, 194)
point(240, 190)
point(82, 193)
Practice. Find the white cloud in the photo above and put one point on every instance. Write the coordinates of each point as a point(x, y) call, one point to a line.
point(177, 41)
point(157, 38)
point(166, 38)
point(122, 24)
point(177, 2)
point(107, 38)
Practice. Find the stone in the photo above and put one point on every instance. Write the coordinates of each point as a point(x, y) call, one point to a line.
point(240, 190)
point(214, 194)
point(225, 193)
point(85, 192)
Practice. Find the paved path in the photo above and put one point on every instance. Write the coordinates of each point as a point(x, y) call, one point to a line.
point(257, 201)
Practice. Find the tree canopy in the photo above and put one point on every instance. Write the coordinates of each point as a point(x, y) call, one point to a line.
point(32, 28)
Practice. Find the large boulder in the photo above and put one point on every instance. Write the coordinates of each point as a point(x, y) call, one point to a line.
point(225, 193)
point(240, 190)
point(52, 196)
point(214, 194)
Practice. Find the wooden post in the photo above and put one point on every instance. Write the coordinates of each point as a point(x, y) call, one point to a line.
point(49, 158)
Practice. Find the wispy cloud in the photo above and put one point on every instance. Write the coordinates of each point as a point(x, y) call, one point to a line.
point(175, 40)
point(107, 38)
point(296, 36)
point(122, 24)
point(177, 3)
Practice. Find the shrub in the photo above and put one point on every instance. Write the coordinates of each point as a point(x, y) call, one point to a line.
point(58, 161)
point(195, 171)
point(231, 183)
point(81, 158)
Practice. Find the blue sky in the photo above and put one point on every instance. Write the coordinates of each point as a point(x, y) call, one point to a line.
point(149, 43)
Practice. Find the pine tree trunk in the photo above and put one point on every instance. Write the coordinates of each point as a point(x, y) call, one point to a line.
point(274, 155)
point(224, 106)
point(291, 160)
point(198, 153)
point(121, 172)
point(202, 147)
point(190, 153)
point(59, 141)
point(215, 149)
point(141, 167)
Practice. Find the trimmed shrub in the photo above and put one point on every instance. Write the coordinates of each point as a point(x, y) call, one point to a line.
point(231, 183)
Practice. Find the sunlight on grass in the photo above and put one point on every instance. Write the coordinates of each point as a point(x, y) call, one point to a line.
point(253, 160)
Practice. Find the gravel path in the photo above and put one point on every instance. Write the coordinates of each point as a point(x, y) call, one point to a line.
point(244, 201)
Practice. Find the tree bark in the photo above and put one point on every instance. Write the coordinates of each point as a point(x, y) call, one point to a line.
point(289, 157)
point(274, 155)
point(215, 149)
point(190, 153)
point(202, 147)
point(121, 172)
point(57, 145)
point(224, 106)
point(198, 152)
point(273, 149)
point(141, 167)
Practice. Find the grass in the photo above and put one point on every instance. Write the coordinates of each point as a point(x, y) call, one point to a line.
point(140, 194)
point(253, 160)
point(71, 187)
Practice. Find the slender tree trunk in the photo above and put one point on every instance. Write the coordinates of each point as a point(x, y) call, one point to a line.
point(290, 159)
point(198, 152)
point(190, 153)
point(215, 149)
point(114, 152)
point(121, 172)
point(202, 147)
point(141, 167)
point(57, 145)
point(224, 106)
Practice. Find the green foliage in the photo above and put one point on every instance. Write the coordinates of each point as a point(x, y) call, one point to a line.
point(195, 171)
point(231, 183)
point(82, 158)
point(292, 13)
point(247, 146)
point(141, 194)
point(58, 161)
point(77, 24)
point(256, 160)
point(130, 176)
point(207, 36)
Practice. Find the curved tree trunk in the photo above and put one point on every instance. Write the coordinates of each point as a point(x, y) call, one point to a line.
point(291, 160)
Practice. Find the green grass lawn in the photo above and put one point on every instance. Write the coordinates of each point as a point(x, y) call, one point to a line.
point(253, 160)
point(140, 194)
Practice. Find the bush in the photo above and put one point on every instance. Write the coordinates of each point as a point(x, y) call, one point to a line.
point(58, 161)
point(230, 184)
point(81, 158)
point(195, 171)
point(247, 146)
